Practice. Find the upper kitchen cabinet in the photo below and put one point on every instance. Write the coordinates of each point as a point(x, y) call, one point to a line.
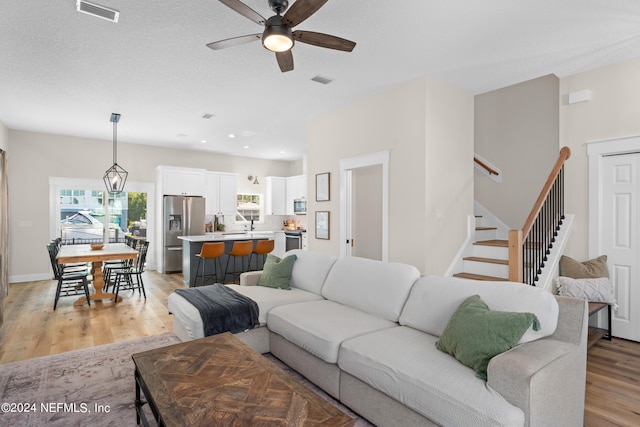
point(296, 188)
point(221, 193)
point(178, 181)
point(276, 195)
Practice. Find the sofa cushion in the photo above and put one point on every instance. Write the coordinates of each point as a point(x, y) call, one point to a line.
point(276, 272)
point(476, 334)
point(409, 368)
point(434, 299)
point(319, 327)
point(310, 269)
point(375, 287)
point(266, 298)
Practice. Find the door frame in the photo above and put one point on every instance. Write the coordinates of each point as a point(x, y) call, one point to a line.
point(596, 151)
point(347, 166)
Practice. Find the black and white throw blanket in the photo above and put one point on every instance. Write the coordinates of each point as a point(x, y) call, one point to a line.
point(222, 309)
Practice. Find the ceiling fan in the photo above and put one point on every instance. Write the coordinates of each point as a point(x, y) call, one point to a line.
point(277, 35)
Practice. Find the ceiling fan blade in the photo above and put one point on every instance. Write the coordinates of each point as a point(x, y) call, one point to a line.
point(301, 10)
point(244, 10)
point(235, 41)
point(324, 40)
point(285, 60)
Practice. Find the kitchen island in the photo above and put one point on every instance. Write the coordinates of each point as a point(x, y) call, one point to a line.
point(191, 245)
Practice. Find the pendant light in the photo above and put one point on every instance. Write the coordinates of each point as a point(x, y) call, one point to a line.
point(115, 177)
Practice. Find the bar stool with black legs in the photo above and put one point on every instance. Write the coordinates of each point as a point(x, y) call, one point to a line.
point(241, 249)
point(263, 247)
point(209, 251)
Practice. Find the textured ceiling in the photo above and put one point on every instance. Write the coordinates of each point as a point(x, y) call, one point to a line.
point(65, 72)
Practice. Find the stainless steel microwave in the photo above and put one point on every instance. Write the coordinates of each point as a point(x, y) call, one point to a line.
point(300, 206)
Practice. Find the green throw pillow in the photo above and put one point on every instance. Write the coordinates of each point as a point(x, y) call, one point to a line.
point(475, 334)
point(276, 272)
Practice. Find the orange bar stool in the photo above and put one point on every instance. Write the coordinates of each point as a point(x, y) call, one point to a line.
point(241, 249)
point(263, 247)
point(209, 251)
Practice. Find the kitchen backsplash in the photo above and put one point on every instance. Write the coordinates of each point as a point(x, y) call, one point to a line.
point(271, 222)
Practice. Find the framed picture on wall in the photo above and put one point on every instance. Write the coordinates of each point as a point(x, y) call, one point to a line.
point(322, 225)
point(322, 187)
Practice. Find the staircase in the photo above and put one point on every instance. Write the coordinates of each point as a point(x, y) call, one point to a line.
point(489, 258)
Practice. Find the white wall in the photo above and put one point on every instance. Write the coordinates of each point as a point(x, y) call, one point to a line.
point(34, 157)
point(428, 128)
point(612, 112)
point(516, 129)
point(4, 137)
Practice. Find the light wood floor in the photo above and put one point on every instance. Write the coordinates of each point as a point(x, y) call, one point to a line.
point(31, 328)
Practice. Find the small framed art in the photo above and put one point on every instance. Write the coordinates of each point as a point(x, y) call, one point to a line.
point(322, 187)
point(322, 225)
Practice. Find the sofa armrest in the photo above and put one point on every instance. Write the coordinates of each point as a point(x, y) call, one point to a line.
point(250, 278)
point(546, 378)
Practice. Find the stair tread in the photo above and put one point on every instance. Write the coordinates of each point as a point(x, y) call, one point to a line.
point(487, 260)
point(486, 228)
point(480, 277)
point(493, 242)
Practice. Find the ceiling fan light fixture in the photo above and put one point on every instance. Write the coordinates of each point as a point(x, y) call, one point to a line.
point(277, 37)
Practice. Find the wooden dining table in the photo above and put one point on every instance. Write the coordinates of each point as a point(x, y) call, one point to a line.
point(83, 253)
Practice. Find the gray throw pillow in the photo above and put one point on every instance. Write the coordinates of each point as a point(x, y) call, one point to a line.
point(276, 272)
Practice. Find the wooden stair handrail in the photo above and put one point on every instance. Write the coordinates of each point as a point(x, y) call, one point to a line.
point(565, 153)
point(486, 166)
point(517, 238)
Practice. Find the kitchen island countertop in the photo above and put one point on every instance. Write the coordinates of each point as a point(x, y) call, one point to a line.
point(229, 235)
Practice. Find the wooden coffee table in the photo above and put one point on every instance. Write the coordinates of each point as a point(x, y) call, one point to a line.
point(220, 381)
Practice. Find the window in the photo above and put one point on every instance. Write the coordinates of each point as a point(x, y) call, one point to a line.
point(249, 208)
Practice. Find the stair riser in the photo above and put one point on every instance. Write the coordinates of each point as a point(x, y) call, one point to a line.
point(486, 269)
point(486, 234)
point(490, 252)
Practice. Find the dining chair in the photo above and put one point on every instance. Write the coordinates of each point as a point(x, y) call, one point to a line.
point(109, 267)
point(71, 281)
point(131, 277)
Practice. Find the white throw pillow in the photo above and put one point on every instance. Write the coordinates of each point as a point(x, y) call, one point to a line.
point(595, 290)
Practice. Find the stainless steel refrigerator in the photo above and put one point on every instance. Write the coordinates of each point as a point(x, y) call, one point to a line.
point(183, 216)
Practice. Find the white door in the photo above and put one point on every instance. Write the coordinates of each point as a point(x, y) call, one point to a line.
point(366, 214)
point(621, 239)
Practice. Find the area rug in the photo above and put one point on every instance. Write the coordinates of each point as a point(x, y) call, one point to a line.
point(94, 386)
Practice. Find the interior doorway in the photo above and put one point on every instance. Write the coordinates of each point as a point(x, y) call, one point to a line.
point(364, 206)
point(614, 170)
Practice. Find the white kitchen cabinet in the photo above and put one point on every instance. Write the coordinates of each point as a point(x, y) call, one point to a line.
point(178, 181)
point(276, 196)
point(296, 188)
point(221, 193)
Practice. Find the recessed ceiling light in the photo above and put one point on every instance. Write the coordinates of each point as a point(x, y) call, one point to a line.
point(231, 135)
point(204, 141)
point(181, 135)
point(245, 147)
point(283, 152)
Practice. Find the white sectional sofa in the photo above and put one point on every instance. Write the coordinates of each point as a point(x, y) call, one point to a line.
point(365, 332)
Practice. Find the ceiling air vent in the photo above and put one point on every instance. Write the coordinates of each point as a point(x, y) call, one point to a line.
point(322, 80)
point(97, 10)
